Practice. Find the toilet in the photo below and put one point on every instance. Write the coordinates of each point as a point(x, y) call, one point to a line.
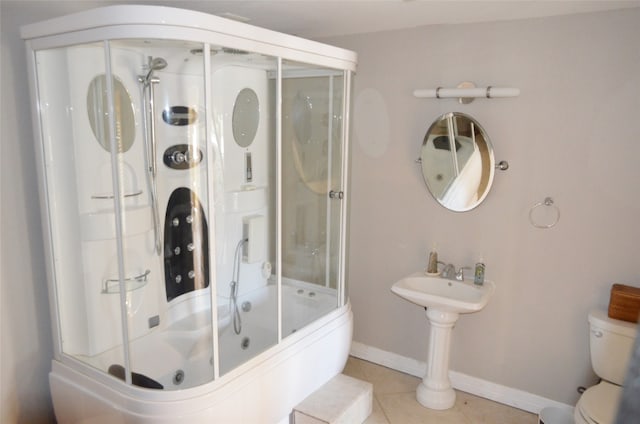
point(611, 343)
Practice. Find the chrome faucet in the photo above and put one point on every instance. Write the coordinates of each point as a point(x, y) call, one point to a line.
point(449, 272)
point(460, 273)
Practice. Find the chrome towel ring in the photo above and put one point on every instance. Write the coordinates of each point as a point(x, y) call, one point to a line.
point(548, 202)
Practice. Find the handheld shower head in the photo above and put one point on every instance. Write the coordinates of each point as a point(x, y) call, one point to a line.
point(154, 64)
point(157, 63)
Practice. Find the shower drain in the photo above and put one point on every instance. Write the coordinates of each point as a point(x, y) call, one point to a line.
point(178, 377)
point(244, 344)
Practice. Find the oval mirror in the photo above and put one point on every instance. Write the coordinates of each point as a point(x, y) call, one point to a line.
point(457, 161)
point(98, 111)
point(246, 116)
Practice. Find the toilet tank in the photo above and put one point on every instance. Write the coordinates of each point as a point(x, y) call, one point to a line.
point(611, 343)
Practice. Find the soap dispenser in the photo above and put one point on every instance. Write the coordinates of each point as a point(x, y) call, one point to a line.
point(432, 266)
point(478, 277)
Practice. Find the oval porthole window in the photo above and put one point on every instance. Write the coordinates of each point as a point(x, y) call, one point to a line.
point(98, 111)
point(246, 116)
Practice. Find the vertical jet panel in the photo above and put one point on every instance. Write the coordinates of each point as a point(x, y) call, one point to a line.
point(186, 244)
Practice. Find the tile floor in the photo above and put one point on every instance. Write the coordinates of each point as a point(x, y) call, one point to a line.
point(394, 401)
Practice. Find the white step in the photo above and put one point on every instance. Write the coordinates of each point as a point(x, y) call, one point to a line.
point(342, 400)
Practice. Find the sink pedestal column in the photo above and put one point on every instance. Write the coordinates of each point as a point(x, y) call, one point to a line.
point(435, 391)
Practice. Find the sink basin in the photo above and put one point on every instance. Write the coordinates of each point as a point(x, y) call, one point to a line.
point(444, 300)
point(442, 294)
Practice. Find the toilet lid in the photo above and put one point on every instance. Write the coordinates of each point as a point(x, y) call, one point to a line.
point(600, 402)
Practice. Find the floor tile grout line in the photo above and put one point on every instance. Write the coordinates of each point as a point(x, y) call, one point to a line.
point(386, 417)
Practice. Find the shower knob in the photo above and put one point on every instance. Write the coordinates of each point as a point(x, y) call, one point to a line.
point(182, 156)
point(176, 250)
point(178, 157)
point(178, 279)
point(175, 222)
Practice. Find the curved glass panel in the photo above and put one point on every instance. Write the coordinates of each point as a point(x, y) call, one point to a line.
point(79, 179)
point(111, 199)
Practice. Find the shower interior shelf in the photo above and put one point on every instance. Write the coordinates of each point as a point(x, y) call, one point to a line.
point(112, 286)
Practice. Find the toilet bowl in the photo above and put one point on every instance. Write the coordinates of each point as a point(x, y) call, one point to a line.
point(598, 404)
point(610, 344)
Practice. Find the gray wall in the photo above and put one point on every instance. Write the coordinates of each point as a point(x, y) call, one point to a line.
point(26, 348)
point(571, 135)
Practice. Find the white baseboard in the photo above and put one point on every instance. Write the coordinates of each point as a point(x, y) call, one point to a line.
point(466, 383)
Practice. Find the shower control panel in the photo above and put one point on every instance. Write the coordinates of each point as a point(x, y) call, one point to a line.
point(179, 115)
point(186, 244)
point(182, 156)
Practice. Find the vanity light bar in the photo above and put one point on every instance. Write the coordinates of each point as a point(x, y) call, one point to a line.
point(472, 92)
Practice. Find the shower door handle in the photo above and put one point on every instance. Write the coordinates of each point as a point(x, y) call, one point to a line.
point(336, 194)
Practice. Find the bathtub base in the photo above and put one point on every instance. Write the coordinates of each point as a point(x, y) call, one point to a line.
point(264, 390)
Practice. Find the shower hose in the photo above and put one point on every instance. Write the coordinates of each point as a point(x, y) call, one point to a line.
point(234, 285)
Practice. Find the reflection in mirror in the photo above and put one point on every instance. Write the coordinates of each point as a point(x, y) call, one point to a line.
point(457, 161)
point(314, 131)
point(98, 111)
point(246, 116)
point(302, 115)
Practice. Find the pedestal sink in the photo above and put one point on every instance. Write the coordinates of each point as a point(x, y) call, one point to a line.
point(444, 300)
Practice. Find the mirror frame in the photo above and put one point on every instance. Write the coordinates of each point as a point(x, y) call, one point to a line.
point(487, 160)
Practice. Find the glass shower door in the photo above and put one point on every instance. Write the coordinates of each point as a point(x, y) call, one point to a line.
point(312, 196)
point(78, 110)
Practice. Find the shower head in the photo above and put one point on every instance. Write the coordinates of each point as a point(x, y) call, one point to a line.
point(157, 63)
point(154, 64)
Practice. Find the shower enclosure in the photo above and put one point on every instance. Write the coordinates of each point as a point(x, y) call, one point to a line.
point(194, 191)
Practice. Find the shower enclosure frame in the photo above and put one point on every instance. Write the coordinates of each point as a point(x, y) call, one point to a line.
point(163, 23)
